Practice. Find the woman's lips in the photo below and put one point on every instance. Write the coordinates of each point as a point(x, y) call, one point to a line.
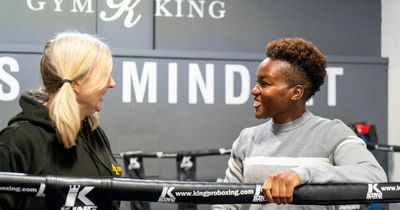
point(256, 103)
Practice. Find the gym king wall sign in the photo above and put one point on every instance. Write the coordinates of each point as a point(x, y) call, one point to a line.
point(127, 9)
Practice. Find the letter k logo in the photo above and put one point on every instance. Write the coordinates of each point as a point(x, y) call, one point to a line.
point(73, 193)
point(167, 191)
point(373, 188)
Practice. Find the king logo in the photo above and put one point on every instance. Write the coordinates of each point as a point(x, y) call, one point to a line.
point(167, 196)
point(74, 193)
point(186, 162)
point(374, 192)
point(134, 163)
point(40, 192)
point(257, 195)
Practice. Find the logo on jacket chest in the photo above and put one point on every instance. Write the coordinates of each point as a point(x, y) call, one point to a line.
point(117, 169)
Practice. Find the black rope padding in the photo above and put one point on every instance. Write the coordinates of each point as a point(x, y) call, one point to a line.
point(383, 147)
point(202, 192)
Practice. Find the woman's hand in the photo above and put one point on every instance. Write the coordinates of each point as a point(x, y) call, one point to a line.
point(278, 188)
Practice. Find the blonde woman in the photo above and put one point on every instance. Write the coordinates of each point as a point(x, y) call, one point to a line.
point(57, 132)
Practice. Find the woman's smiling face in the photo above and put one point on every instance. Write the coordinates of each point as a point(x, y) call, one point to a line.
point(91, 99)
point(272, 93)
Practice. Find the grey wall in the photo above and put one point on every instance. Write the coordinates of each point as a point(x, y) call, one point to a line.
point(348, 31)
point(342, 27)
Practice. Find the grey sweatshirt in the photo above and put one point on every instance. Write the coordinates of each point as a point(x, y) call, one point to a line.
point(317, 149)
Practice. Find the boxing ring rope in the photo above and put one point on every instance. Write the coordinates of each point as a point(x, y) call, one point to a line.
point(227, 151)
point(383, 147)
point(189, 174)
point(174, 154)
point(198, 192)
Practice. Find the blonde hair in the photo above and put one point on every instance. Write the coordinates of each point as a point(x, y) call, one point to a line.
point(71, 56)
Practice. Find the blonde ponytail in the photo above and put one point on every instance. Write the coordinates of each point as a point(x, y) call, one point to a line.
point(64, 112)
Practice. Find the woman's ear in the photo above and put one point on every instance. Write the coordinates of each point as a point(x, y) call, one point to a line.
point(297, 92)
point(76, 86)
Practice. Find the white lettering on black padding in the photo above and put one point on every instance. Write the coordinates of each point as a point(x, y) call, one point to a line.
point(186, 162)
point(133, 163)
point(74, 193)
point(40, 192)
point(257, 195)
point(374, 192)
point(167, 196)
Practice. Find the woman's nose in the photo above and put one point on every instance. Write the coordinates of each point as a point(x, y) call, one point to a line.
point(111, 83)
point(256, 90)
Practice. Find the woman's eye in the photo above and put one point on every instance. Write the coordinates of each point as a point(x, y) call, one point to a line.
point(262, 83)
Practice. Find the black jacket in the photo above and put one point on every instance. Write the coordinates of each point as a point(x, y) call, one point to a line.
point(29, 145)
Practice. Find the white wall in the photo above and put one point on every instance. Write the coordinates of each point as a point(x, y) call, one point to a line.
point(391, 49)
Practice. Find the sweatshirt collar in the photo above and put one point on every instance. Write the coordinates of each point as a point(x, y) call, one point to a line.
point(284, 127)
